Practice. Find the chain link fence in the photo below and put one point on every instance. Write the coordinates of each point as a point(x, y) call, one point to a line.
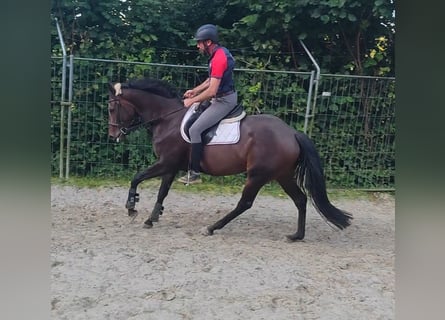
point(350, 119)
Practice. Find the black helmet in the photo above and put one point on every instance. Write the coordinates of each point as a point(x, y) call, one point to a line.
point(207, 32)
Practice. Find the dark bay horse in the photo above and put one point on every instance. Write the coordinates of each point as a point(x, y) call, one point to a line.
point(268, 150)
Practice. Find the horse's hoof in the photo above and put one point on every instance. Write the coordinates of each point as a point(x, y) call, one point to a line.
point(148, 224)
point(206, 231)
point(132, 212)
point(294, 237)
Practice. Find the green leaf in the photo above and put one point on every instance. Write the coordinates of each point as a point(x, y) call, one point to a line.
point(333, 107)
point(351, 17)
point(250, 19)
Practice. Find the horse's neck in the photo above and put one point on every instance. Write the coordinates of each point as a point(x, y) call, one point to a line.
point(168, 109)
point(167, 120)
point(151, 106)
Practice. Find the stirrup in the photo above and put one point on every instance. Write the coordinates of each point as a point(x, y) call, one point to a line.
point(191, 177)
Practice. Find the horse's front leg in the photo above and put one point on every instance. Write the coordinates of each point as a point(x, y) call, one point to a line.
point(133, 197)
point(166, 183)
point(156, 170)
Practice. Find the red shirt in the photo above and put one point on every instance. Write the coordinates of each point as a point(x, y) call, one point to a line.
point(221, 66)
point(218, 63)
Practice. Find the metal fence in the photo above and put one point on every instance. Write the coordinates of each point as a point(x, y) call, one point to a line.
point(350, 119)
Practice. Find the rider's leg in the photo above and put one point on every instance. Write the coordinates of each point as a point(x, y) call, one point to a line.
point(218, 109)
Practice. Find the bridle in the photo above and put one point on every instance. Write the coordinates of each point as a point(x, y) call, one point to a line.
point(137, 122)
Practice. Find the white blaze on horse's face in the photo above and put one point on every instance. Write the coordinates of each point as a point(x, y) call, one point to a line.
point(114, 130)
point(113, 127)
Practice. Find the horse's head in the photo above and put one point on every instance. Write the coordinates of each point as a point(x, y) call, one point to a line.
point(140, 103)
point(121, 113)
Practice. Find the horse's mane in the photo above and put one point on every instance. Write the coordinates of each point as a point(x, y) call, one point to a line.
point(156, 86)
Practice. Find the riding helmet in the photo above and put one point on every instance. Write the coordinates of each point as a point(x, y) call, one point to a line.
point(207, 32)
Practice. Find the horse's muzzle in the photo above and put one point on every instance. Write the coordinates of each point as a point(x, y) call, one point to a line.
point(116, 136)
point(115, 133)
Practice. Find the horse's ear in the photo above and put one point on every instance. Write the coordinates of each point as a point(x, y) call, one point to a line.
point(115, 89)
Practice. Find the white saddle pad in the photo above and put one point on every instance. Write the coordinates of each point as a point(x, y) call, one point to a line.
point(228, 130)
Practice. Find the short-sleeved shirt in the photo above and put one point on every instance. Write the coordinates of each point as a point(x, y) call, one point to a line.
point(221, 64)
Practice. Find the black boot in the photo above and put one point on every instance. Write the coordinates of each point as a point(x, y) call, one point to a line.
point(194, 176)
point(196, 157)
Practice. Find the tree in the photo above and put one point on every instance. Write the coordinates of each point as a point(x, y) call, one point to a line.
point(354, 36)
point(142, 30)
point(345, 36)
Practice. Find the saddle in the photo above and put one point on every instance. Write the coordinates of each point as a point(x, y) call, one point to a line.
point(227, 129)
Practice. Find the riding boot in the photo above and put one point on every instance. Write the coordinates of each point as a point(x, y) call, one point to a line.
point(196, 157)
point(194, 175)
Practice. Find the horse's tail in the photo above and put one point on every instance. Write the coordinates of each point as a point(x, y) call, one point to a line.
point(310, 177)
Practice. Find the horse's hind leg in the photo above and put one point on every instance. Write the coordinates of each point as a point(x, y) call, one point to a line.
point(290, 186)
point(250, 191)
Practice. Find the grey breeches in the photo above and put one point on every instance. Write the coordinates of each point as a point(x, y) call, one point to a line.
point(219, 108)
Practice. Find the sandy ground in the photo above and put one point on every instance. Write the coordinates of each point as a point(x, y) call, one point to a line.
point(103, 266)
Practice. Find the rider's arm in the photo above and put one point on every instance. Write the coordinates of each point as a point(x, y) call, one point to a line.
point(202, 86)
point(208, 93)
point(198, 89)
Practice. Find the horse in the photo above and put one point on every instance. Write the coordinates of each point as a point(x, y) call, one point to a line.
point(268, 150)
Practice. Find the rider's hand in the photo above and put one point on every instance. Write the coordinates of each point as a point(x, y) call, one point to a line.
point(188, 102)
point(189, 94)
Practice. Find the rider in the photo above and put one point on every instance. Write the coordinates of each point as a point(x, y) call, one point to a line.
point(219, 87)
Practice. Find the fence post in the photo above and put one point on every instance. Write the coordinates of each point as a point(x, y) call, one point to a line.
point(308, 104)
point(68, 133)
point(315, 82)
point(62, 98)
